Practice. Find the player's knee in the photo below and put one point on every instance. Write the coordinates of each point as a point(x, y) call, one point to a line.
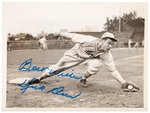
point(92, 70)
point(95, 64)
point(94, 67)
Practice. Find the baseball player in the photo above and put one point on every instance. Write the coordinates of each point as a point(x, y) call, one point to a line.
point(43, 43)
point(136, 45)
point(9, 46)
point(130, 43)
point(91, 51)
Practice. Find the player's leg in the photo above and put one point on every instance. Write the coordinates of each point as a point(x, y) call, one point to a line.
point(63, 64)
point(93, 67)
point(54, 69)
point(128, 45)
point(44, 46)
point(135, 46)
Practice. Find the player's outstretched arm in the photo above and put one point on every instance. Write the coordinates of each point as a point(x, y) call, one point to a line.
point(126, 86)
point(64, 34)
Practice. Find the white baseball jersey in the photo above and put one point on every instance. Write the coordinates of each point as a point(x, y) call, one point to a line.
point(85, 49)
point(86, 52)
point(42, 40)
point(43, 43)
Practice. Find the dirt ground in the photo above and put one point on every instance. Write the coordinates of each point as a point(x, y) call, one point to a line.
point(103, 90)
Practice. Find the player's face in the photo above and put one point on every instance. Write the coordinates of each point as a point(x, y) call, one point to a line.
point(107, 45)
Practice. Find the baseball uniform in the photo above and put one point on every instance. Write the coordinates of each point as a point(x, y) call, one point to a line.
point(43, 43)
point(85, 51)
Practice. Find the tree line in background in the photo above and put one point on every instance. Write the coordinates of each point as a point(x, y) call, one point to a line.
point(27, 36)
point(112, 24)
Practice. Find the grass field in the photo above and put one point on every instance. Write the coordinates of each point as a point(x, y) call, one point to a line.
point(103, 90)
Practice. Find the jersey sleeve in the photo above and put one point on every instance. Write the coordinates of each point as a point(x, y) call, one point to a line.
point(107, 59)
point(109, 62)
point(78, 38)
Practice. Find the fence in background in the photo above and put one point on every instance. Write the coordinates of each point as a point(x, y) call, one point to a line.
point(53, 44)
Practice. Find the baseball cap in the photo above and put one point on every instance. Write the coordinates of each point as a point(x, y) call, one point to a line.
point(109, 35)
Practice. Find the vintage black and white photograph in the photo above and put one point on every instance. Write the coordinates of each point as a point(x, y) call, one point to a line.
point(75, 55)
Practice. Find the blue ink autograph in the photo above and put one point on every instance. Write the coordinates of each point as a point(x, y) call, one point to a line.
point(58, 91)
point(60, 73)
point(27, 86)
point(26, 66)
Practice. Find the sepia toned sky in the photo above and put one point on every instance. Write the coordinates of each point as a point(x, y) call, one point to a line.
point(32, 17)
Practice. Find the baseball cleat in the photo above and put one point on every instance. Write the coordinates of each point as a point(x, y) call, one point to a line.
point(33, 81)
point(83, 82)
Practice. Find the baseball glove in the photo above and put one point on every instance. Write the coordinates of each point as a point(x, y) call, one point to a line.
point(130, 87)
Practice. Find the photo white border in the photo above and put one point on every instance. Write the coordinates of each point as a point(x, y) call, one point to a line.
point(4, 58)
